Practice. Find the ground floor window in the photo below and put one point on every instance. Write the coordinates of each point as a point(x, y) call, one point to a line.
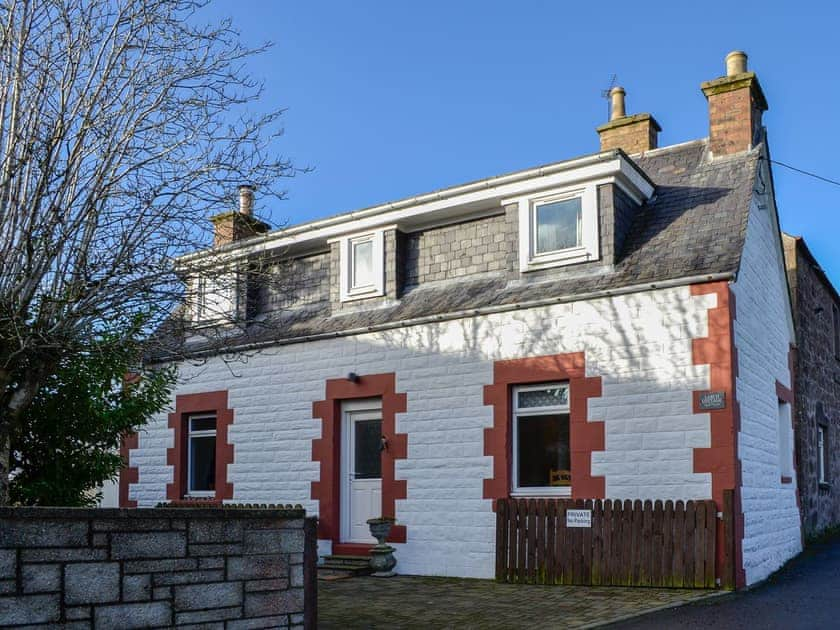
point(201, 445)
point(785, 442)
point(822, 453)
point(541, 454)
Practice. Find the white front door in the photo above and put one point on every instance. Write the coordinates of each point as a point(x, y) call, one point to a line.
point(361, 469)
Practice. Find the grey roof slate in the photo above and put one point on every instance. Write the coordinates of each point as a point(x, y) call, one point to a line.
point(695, 224)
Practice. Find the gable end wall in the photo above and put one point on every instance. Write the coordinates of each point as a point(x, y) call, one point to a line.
point(772, 532)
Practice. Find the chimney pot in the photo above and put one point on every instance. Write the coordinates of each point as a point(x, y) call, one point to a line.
point(736, 63)
point(246, 200)
point(617, 103)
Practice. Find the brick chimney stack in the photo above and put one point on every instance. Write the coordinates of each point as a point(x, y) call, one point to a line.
point(238, 224)
point(736, 103)
point(632, 134)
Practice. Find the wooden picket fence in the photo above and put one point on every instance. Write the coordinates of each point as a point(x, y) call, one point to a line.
point(630, 543)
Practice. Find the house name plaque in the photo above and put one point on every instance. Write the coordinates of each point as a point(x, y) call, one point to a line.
point(712, 400)
point(578, 518)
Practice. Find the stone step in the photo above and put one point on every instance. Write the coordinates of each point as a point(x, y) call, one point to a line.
point(348, 561)
point(338, 567)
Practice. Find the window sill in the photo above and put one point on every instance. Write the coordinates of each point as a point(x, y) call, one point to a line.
point(362, 295)
point(574, 257)
point(208, 322)
point(538, 493)
point(200, 495)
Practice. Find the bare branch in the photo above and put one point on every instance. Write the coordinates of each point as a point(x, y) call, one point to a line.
point(124, 125)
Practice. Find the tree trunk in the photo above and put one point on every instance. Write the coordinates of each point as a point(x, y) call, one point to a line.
point(5, 457)
point(15, 399)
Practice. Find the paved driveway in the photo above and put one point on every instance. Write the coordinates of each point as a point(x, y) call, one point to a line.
point(421, 602)
point(805, 594)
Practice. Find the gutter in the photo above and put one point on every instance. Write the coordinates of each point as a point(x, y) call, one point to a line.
point(486, 310)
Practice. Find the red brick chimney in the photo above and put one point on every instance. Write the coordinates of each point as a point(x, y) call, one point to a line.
point(236, 225)
point(632, 134)
point(736, 102)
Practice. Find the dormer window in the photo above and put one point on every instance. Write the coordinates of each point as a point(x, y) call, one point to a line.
point(558, 228)
point(215, 298)
point(362, 266)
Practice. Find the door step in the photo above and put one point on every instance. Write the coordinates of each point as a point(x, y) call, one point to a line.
point(338, 566)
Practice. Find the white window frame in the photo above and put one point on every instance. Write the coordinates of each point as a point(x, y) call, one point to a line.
point(224, 293)
point(198, 434)
point(200, 297)
point(822, 447)
point(349, 292)
point(588, 250)
point(516, 413)
point(785, 440)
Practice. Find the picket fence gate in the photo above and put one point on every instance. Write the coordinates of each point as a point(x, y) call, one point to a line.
point(629, 543)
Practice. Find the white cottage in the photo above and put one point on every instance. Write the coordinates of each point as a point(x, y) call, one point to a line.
point(611, 326)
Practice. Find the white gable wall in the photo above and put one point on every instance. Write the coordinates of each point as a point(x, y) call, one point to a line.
point(640, 344)
point(763, 337)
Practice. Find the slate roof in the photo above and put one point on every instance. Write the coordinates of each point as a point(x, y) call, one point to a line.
point(694, 225)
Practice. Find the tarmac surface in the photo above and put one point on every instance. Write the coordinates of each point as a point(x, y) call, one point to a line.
point(804, 594)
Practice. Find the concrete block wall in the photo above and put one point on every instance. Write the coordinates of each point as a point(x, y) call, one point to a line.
point(639, 344)
point(453, 251)
point(763, 338)
point(156, 568)
point(295, 282)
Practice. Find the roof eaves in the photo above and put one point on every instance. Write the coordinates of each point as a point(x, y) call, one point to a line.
point(431, 197)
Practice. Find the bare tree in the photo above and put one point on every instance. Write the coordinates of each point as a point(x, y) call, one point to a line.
point(123, 126)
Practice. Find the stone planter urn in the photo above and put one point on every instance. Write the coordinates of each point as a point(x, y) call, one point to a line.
point(382, 559)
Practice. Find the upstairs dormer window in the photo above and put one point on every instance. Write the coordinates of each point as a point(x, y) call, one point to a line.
point(558, 228)
point(362, 266)
point(215, 298)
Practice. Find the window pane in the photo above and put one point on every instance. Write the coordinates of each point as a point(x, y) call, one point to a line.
point(558, 225)
point(785, 452)
point(543, 451)
point(822, 452)
point(549, 397)
point(362, 263)
point(368, 439)
point(202, 424)
point(203, 463)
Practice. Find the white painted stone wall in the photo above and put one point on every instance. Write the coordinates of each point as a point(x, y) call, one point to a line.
point(640, 344)
point(763, 336)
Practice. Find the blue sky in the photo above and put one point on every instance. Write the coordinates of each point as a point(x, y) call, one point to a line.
point(391, 99)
